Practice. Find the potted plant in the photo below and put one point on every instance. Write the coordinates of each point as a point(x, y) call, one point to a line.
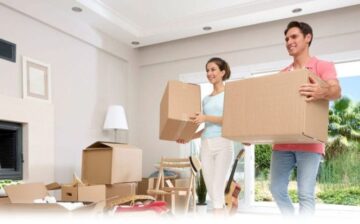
point(201, 193)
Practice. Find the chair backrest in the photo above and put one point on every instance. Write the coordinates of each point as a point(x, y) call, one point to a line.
point(181, 163)
point(175, 162)
point(191, 164)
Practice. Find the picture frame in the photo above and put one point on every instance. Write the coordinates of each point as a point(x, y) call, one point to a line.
point(36, 80)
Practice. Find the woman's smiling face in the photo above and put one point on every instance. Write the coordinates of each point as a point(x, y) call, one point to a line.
point(214, 75)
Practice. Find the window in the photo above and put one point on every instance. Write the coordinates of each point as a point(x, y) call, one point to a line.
point(348, 70)
point(349, 78)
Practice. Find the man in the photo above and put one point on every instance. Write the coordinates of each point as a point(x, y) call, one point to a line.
point(306, 157)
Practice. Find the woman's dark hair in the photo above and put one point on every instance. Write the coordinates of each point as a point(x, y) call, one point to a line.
point(304, 28)
point(223, 66)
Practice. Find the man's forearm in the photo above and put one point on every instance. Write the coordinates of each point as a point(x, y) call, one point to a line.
point(333, 90)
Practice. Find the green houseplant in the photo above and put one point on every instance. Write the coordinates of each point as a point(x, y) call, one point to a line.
point(201, 190)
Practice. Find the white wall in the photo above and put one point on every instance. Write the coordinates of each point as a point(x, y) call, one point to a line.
point(85, 81)
point(334, 31)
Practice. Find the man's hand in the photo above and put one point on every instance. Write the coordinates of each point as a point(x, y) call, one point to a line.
point(313, 91)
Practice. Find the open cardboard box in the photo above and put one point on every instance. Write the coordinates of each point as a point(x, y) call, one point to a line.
point(110, 163)
point(93, 193)
point(83, 192)
point(78, 191)
point(21, 199)
point(96, 193)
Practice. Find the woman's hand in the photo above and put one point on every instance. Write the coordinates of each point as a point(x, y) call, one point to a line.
point(181, 141)
point(198, 118)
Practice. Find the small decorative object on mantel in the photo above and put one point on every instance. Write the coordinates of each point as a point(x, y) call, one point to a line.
point(36, 80)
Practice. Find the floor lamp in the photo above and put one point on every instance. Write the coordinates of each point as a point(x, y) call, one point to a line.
point(115, 119)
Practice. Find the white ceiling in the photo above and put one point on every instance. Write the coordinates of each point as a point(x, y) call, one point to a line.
point(156, 21)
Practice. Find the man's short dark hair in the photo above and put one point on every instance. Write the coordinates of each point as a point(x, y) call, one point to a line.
point(304, 28)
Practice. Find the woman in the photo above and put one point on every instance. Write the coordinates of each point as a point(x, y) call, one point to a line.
point(216, 152)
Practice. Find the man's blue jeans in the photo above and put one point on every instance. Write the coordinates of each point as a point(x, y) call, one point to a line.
point(282, 162)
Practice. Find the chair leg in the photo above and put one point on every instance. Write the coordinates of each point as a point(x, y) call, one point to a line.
point(188, 194)
point(187, 201)
point(173, 204)
point(194, 198)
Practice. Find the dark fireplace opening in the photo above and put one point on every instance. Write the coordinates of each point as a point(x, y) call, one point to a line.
point(11, 152)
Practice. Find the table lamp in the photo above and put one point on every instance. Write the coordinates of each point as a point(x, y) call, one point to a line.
point(115, 119)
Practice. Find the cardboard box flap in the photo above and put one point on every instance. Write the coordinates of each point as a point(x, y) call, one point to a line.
point(100, 144)
point(107, 145)
point(53, 186)
point(26, 193)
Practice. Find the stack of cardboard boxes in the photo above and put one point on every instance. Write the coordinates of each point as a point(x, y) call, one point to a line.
point(109, 170)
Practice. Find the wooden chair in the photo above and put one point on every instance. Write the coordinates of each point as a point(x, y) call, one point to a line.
point(162, 190)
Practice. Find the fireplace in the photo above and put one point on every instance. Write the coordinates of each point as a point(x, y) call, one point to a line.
point(11, 152)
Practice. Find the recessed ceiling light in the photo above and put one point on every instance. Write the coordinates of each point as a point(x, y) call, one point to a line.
point(207, 28)
point(135, 42)
point(76, 9)
point(296, 10)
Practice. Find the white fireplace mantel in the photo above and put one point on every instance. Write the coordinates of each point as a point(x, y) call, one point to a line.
point(38, 135)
